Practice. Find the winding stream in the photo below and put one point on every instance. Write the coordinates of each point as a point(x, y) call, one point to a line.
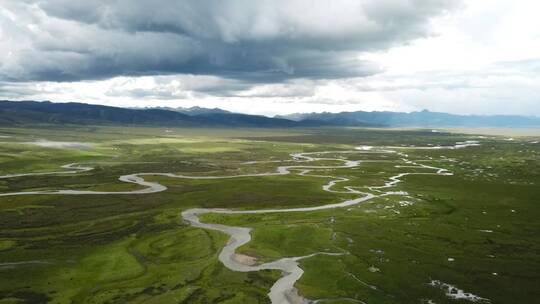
point(283, 291)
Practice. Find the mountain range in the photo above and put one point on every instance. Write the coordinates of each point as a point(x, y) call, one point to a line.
point(193, 110)
point(423, 118)
point(34, 112)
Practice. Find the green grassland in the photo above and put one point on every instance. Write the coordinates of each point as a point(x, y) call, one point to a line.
point(477, 230)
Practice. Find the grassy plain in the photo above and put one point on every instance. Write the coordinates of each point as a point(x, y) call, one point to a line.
point(477, 230)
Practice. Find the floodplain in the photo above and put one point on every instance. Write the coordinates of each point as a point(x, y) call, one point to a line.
point(433, 217)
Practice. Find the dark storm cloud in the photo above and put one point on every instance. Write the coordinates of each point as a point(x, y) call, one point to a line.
point(252, 41)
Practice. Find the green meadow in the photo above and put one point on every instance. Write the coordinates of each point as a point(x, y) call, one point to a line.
point(477, 230)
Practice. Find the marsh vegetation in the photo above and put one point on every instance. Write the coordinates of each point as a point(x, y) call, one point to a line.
point(467, 237)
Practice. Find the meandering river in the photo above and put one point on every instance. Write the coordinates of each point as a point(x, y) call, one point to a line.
point(283, 291)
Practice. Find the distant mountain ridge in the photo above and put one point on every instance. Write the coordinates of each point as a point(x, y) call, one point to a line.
point(423, 118)
point(33, 112)
point(194, 110)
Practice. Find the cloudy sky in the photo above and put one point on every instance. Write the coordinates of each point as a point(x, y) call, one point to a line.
point(276, 56)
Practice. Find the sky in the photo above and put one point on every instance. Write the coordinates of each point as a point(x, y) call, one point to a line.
point(275, 56)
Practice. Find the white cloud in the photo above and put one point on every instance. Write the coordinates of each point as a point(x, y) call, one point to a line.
point(482, 59)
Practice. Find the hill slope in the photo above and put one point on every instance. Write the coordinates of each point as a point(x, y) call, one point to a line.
point(32, 112)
